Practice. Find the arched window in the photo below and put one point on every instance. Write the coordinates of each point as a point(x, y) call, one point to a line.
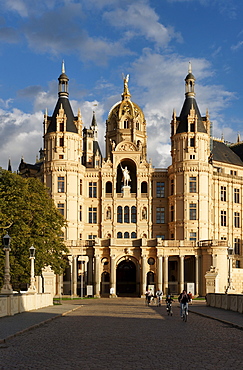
point(144, 187)
point(133, 235)
point(108, 187)
point(134, 214)
point(126, 214)
point(126, 235)
point(119, 214)
point(119, 235)
point(126, 124)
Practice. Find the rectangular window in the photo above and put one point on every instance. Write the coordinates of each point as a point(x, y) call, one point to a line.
point(237, 195)
point(192, 211)
point(223, 218)
point(192, 127)
point(172, 213)
point(237, 264)
point(60, 184)
point(80, 213)
point(223, 193)
point(192, 141)
point(160, 189)
point(61, 125)
point(160, 236)
point(160, 215)
point(80, 187)
point(92, 237)
point(92, 215)
point(236, 246)
point(193, 236)
point(60, 207)
point(236, 219)
point(192, 184)
point(61, 141)
point(92, 189)
point(172, 187)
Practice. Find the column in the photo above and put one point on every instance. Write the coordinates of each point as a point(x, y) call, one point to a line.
point(97, 275)
point(182, 273)
point(197, 275)
point(143, 275)
point(74, 278)
point(90, 270)
point(112, 276)
point(160, 272)
point(166, 285)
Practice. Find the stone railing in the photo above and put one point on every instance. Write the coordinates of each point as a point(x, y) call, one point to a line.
point(22, 302)
point(232, 302)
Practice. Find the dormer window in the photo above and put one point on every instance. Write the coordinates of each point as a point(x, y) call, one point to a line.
point(61, 126)
point(192, 127)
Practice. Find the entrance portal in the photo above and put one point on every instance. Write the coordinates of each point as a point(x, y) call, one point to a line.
point(126, 279)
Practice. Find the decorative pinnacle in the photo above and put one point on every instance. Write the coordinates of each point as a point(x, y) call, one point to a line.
point(189, 67)
point(126, 90)
point(63, 67)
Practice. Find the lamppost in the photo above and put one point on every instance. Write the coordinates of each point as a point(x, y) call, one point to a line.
point(32, 288)
point(229, 257)
point(7, 287)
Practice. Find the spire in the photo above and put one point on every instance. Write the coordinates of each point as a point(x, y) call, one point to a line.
point(190, 82)
point(94, 126)
point(9, 165)
point(189, 105)
point(238, 138)
point(126, 94)
point(63, 83)
point(93, 123)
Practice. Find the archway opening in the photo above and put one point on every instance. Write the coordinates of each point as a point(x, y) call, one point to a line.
point(126, 279)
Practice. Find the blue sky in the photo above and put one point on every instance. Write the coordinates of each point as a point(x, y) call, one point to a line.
point(151, 40)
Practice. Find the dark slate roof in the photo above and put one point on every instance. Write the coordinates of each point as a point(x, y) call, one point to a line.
point(183, 122)
point(223, 153)
point(96, 147)
point(238, 149)
point(70, 126)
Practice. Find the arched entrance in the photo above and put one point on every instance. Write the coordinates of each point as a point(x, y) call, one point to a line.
point(126, 279)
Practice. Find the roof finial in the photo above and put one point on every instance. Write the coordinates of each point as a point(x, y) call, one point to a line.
point(126, 91)
point(189, 67)
point(63, 67)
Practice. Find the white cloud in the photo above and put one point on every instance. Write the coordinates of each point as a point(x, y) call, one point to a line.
point(237, 46)
point(141, 18)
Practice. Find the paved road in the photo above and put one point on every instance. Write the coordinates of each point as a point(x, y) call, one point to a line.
point(125, 334)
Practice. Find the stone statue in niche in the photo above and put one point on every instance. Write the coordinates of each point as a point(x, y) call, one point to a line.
point(144, 213)
point(126, 176)
point(108, 213)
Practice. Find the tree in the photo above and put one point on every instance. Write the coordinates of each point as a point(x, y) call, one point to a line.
point(29, 215)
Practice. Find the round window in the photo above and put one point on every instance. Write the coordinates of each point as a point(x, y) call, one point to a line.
point(151, 261)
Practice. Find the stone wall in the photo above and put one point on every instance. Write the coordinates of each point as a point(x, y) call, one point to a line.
point(17, 303)
point(232, 302)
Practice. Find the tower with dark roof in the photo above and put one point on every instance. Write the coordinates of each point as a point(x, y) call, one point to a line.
point(190, 173)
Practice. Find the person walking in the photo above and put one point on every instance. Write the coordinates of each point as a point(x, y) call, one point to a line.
point(159, 296)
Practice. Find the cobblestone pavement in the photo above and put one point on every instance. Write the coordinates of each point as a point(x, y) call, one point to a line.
point(123, 333)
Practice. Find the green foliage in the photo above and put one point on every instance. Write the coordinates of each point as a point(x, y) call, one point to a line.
point(29, 215)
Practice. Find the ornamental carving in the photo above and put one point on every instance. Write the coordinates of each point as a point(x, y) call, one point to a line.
point(126, 146)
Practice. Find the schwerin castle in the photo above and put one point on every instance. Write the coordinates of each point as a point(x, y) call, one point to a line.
point(130, 226)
